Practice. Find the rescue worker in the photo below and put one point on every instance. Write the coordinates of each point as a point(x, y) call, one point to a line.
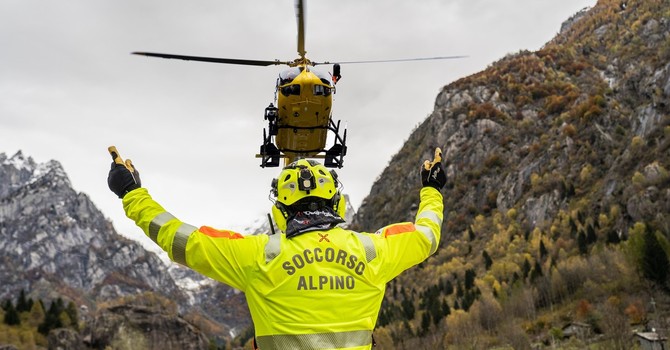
point(315, 285)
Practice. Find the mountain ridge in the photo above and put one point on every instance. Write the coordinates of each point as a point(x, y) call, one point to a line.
point(43, 211)
point(56, 244)
point(557, 160)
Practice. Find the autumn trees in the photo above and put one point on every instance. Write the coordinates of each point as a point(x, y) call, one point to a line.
point(28, 322)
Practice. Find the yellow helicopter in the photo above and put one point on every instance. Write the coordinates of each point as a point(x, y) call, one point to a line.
point(300, 117)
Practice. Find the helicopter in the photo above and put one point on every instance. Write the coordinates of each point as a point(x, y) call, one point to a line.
point(300, 116)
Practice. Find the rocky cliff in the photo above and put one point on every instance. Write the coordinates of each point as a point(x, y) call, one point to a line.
point(142, 322)
point(579, 117)
point(54, 240)
point(556, 159)
point(55, 243)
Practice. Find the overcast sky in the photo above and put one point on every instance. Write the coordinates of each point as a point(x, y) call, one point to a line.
point(69, 86)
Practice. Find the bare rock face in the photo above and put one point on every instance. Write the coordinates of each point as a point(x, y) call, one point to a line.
point(65, 339)
point(53, 239)
point(54, 243)
point(648, 198)
point(581, 123)
point(134, 325)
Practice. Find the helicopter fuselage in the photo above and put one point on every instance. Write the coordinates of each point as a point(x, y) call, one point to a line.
point(304, 103)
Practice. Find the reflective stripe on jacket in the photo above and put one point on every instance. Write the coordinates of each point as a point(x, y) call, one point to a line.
point(321, 289)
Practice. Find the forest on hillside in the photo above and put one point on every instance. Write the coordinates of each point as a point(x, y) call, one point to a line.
point(557, 209)
point(26, 323)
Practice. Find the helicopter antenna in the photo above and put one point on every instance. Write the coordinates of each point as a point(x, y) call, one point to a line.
point(300, 16)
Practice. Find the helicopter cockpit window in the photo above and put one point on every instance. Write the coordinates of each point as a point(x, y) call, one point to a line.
point(290, 90)
point(321, 90)
point(288, 75)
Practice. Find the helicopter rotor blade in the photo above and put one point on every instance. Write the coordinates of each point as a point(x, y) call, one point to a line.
point(300, 17)
point(393, 60)
point(237, 61)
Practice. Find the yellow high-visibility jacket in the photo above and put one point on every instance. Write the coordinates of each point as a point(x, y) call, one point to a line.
point(317, 290)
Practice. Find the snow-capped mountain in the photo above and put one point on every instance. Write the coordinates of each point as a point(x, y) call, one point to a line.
point(54, 242)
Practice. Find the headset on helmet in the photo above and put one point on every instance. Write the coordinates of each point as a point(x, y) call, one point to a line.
point(305, 185)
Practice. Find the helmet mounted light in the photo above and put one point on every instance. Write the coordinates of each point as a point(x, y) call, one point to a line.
point(306, 182)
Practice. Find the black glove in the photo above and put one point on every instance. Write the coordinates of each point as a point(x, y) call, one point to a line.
point(122, 180)
point(432, 173)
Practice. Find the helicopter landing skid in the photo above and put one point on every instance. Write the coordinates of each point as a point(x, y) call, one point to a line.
point(269, 154)
point(335, 154)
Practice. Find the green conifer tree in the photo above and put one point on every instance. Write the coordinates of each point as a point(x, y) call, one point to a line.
point(446, 311)
point(436, 312)
point(22, 303)
point(526, 268)
point(470, 275)
point(448, 288)
point(5, 304)
point(52, 320)
point(536, 272)
point(425, 323)
point(487, 260)
point(543, 250)
point(591, 235)
point(408, 309)
point(11, 315)
point(573, 227)
point(468, 300)
point(459, 289)
point(655, 264)
point(581, 243)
